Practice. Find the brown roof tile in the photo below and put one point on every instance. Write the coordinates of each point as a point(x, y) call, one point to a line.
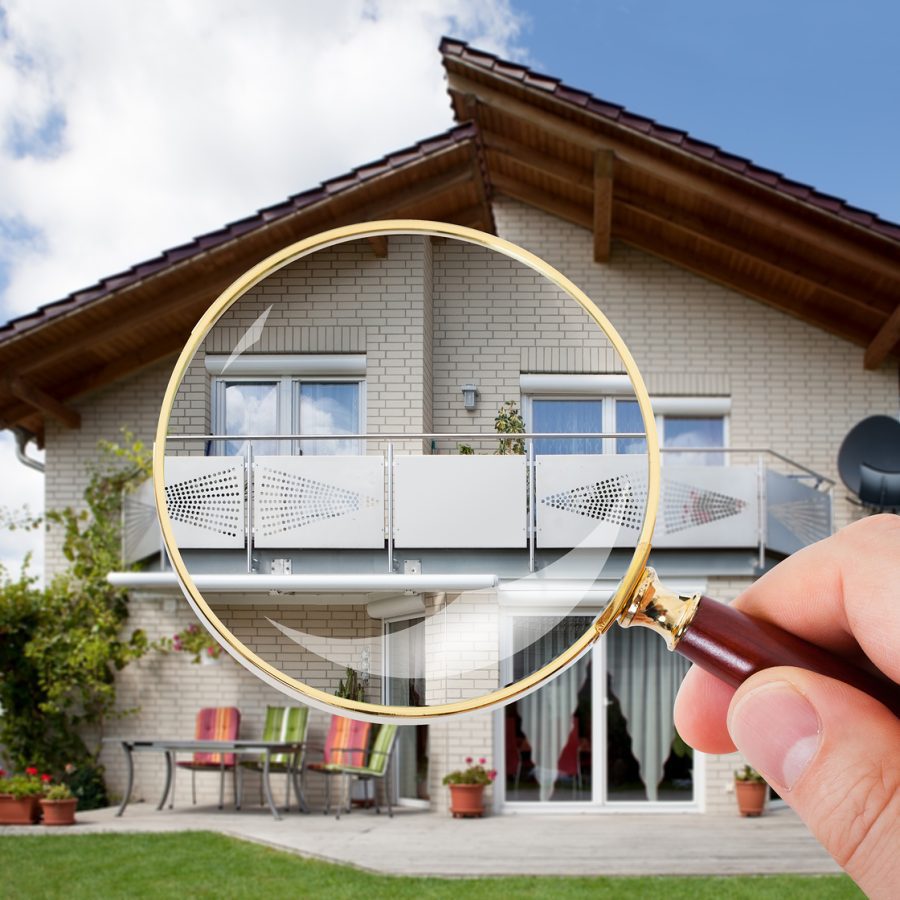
point(357, 176)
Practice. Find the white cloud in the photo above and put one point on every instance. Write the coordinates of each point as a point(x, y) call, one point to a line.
point(22, 487)
point(128, 127)
point(145, 124)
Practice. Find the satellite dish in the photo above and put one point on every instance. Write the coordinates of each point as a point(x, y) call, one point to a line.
point(869, 462)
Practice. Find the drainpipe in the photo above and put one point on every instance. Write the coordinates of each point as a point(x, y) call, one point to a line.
point(22, 439)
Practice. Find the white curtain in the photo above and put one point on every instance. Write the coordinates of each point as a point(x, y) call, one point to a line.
point(645, 678)
point(547, 713)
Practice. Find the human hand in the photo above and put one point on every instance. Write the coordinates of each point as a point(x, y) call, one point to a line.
point(832, 752)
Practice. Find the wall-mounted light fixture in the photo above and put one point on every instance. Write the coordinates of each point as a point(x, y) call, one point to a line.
point(469, 392)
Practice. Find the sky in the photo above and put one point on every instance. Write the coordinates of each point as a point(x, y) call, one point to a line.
point(130, 127)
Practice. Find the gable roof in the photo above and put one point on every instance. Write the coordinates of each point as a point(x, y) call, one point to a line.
point(629, 178)
point(533, 138)
point(133, 318)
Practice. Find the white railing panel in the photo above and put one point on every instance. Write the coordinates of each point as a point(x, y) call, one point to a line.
point(140, 526)
point(797, 514)
point(708, 507)
point(589, 501)
point(460, 501)
point(318, 502)
point(205, 501)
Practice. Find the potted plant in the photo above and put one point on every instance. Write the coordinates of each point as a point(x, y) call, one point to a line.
point(59, 805)
point(751, 789)
point(19, 796)
point(467, 788)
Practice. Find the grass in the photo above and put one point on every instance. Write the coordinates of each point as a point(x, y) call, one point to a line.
point(201, 864)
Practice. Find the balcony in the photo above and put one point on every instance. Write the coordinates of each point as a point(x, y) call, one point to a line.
point(285, 515)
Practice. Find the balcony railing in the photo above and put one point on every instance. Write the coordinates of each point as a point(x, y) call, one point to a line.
point(399, 497)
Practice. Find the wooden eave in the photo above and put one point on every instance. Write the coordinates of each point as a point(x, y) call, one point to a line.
point(131, 320)
point(629, 179)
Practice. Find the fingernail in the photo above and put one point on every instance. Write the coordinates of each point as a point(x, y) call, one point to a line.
point(778, 730)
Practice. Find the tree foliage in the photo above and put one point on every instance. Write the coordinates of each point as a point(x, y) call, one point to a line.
point(61, 645)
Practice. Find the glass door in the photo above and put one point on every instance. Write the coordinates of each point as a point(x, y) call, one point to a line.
point(404, 652)
point(601, 732)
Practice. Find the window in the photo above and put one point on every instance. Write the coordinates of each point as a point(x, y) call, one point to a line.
point(309, 396)
point(589, 403)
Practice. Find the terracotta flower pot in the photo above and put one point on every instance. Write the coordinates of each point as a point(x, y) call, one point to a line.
point(59, 812)
point(19, 810)
point(466, 800)
point(751, 797)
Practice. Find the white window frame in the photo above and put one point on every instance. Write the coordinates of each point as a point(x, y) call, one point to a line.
point(285, 371)
point(608, 389)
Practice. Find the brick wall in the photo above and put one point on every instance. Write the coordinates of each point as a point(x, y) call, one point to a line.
point(793, 388)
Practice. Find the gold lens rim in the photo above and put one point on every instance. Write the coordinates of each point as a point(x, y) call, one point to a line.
point(297, 688)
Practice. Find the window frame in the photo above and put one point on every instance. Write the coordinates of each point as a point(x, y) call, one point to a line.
point(285, 372)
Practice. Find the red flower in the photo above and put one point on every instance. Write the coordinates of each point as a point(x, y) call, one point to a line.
point(492, 774)
point(2, 773)
point(31, 770)
point(482, 761)
point(46, 779)
point(469, 760)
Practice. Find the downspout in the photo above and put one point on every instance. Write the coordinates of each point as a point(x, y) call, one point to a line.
point(22, 439)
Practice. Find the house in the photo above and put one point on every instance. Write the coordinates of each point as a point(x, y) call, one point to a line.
point(763, 314)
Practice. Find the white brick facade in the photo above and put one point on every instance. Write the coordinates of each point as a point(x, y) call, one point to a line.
point(793, 388)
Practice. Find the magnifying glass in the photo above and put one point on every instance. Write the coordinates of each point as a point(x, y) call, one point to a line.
point(362, 513)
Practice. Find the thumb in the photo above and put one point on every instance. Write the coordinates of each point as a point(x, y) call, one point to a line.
point(833, 753)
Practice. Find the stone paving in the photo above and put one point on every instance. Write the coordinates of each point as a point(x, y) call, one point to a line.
point(417, 842)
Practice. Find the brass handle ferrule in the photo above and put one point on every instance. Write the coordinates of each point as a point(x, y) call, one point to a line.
point(654, 606)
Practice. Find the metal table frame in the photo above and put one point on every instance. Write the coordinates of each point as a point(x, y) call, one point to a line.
point(266, 749)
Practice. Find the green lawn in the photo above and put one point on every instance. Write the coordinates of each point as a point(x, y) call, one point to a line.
point(200, 864)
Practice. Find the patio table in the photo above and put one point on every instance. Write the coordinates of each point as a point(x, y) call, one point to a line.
point(169, 748)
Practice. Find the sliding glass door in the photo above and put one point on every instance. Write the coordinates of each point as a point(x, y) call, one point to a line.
point(601, 733)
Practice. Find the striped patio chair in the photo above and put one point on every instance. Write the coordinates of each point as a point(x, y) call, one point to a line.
point(347, 744)
point(377, 765)
point(283, 724)
point(213, 724)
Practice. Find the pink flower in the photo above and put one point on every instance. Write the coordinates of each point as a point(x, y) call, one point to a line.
point(492, 774)
point(482, 761)
point(211, 651)
point(70, 768)
point(469, 760)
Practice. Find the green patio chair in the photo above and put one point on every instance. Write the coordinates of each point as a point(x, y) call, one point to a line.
point(375, 765)
point(283, 723)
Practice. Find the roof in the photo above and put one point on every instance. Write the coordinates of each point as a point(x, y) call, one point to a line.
point(631, 179)
point(134, 318)
point(521, 134)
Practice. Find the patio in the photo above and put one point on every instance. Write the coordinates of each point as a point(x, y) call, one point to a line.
point(425, 843)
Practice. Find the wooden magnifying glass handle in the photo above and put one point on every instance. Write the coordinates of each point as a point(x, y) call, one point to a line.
point(733, 646)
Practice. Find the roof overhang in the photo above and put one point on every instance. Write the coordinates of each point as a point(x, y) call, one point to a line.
point(130, 320)
point(628, 178)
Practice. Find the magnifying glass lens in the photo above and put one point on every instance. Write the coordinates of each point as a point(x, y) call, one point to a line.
point(404, 473)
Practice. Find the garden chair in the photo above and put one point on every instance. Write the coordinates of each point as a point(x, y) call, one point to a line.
point(283, 724)
point(213, 724)
point(346, 745)
point(377, 765)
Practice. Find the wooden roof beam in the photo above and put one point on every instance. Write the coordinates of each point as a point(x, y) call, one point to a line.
point(518, 190)
point(884, 342)
point(709, 267)
point(40, 400)
point(379, 245)
point(714, 190)
point(538, 161)
point(604, 162)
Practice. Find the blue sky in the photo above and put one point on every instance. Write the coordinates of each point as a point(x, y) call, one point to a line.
point(129, 128)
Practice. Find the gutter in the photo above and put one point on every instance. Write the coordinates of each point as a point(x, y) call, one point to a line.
point(22, 438)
